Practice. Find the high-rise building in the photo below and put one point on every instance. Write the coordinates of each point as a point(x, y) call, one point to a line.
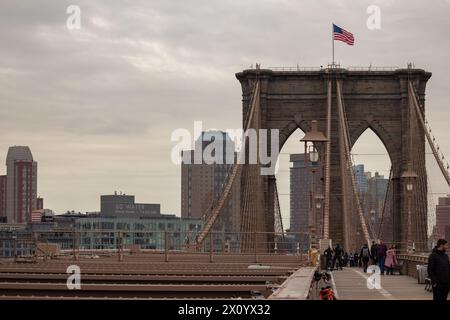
point(361, 177)
point(300, 194)
point(40, 203)
point(21, 184)
point(374, 204)
point(202, 181)
point(443, 216)
point(372, 192)
point(376, 194)
point(2, 198)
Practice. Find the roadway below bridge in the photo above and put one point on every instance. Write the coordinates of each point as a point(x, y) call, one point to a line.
point(149, 276)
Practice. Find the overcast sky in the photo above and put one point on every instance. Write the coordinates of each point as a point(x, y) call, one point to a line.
point(97, 105)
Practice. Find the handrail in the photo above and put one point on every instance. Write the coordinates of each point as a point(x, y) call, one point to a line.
point(349, 68)
point(372, 68)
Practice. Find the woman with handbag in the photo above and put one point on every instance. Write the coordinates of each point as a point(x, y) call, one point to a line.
point(391, 260)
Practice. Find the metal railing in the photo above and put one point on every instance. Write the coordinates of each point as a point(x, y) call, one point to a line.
point(349, 68)
point(297, 68)
point(372, 68)
point(48, 244)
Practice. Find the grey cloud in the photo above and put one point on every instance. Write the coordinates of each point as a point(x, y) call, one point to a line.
point(153, 66)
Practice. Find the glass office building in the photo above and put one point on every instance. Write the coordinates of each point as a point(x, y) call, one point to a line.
point(149, 233)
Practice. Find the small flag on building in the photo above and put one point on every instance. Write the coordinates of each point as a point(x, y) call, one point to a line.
point(36, 216)
point(343, 35)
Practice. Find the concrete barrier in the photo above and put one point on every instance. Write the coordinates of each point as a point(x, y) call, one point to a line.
point(297, 286)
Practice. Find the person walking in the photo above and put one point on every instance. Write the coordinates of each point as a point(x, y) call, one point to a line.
point(365, 256)
point(391, 260)
point(356, 259)
point(439, 270)
point(381, 255)
point(373, 252)
point(328, 257)
point(337, 257)
point(350, 258)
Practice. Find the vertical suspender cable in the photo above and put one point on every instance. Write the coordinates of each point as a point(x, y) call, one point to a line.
point(326, 210)
point(348, 164)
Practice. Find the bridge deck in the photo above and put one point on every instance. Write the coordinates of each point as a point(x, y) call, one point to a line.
point(148, 276)
point(351, 284)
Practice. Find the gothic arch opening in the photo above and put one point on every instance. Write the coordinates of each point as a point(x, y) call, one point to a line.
point(294, 182)
point(372, 167)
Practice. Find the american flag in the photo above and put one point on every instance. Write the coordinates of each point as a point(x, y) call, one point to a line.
point(36, 216)
point(342, 35)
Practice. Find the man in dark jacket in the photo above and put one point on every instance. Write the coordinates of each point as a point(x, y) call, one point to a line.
point(328, 257)
point(439, 270)
point(381, 255)
point(365, 256)
point(373, 252)
point(337, 257)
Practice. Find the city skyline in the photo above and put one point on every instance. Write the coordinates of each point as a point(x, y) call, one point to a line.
point(97, 105)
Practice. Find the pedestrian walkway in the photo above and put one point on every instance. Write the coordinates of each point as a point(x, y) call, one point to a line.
point(351, 284)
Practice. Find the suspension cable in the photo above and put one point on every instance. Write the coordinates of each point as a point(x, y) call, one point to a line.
point(348, 164)
point(235, 170)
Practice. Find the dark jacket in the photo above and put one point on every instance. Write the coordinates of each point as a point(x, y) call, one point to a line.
point(328, 253)
point(381, 251)
point(338, 251)
point(373, 251)
point(365, 252)
point(439, 267)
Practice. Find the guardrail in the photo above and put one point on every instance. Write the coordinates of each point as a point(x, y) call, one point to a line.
point(410, 262)
point(349, 68)
point(298, 68)
point(372, 68)
point(49, 244)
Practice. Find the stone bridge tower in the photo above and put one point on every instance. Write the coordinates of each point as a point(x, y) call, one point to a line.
point(373, 99)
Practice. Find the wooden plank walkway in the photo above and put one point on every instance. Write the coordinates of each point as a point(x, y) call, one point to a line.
point(351, 284)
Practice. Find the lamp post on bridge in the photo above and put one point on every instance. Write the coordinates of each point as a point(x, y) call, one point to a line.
point(319, 205)
point(316, 138)
point(409, 177)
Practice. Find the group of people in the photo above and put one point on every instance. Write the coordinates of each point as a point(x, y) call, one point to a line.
point(378, 254)
point(386, 259)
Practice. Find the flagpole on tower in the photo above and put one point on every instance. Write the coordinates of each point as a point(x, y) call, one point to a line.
point(332, 40)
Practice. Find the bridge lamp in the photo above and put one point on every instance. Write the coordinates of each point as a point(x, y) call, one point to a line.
point(315, 137)
point(409, 176)
point(319, 200)
point(409, 187)
point(313, 154)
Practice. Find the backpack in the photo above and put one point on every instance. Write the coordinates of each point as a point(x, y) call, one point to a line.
point(365, 252)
